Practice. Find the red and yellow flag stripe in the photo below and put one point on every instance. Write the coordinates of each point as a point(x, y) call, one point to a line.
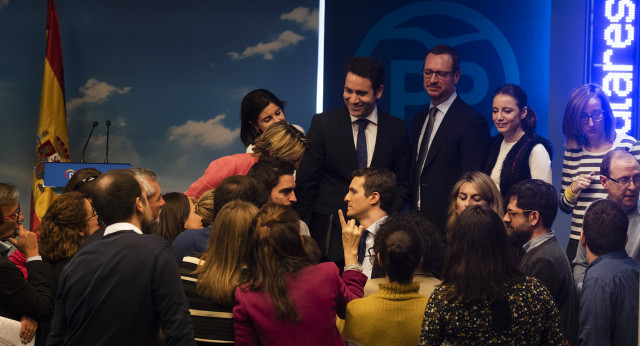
point(53, 138)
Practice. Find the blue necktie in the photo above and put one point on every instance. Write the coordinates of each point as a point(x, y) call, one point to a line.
point(362, 246)
point(361, 144)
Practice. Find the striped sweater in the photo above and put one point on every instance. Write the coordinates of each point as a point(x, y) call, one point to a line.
point(212, 323)
point(581, 161)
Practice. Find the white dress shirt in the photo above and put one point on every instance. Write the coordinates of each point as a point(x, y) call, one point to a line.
point(443, 108)
point(370, 256)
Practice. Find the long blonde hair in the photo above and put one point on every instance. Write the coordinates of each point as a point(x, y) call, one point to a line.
point(485, 186)
point(220, 268)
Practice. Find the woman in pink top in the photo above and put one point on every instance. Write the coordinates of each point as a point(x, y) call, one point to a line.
point(284, 299)
point(280, 139)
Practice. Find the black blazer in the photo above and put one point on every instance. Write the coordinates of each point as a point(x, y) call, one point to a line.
point(325, 171)
point(20, 297)
point(460, 145)
point(121, 290)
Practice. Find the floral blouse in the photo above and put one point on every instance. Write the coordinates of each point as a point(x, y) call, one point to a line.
point(534, 319)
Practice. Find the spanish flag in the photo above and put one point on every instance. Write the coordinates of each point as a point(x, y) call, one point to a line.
point(53, 138)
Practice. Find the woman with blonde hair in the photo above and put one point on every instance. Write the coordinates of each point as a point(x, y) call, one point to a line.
point(209, 281)
point(280, 139)
point(204, 207)
point(473, 188)
point(284, 299)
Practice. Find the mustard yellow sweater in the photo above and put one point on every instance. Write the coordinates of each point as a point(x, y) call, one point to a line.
point(393, 316)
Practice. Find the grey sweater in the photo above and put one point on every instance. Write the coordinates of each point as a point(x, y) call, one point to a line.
point(548, 263)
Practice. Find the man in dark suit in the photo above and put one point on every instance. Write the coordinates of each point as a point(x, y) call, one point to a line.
point(122, 289)
point(28, 301)
point(346, 139)
point(449, 137)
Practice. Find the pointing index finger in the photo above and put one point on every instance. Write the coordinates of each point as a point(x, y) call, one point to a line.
point(343, 223)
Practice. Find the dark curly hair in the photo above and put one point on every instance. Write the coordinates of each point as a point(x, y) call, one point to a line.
point(60, 228)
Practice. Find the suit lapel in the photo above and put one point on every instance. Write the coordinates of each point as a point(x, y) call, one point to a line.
point(449, 122)
point(344, 134)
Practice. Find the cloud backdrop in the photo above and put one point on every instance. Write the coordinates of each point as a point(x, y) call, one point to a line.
point(160, 71)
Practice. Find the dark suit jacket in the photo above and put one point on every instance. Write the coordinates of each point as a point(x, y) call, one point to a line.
point(20, 297)
point(460, 145)
point(325, 171)
point(119, 291)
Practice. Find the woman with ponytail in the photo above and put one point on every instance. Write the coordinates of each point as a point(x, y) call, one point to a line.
point(517, 151)
point(393, 315)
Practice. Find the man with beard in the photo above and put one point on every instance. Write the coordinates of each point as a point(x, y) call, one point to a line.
point(531, 210)
point(620, 176)
point(449, 138)
point(122, 289)
point(148, 179)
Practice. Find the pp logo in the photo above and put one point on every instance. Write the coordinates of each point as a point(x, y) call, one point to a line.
point(69, 173)
point(397, 26)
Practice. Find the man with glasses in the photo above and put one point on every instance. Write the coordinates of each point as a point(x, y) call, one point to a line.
point(28, 301)
point(620, 176)
point(531, 209)
point(449, 137)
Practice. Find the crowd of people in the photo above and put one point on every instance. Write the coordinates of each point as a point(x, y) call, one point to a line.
point(358, 233)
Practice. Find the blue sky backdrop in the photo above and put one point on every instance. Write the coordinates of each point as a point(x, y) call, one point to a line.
point(169, 75)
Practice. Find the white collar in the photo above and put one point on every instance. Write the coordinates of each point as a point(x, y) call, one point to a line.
point(121, 226)
point(372, 117)
point(444, 106)
point(374, 226)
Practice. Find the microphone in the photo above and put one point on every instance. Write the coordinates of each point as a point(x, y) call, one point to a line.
point(95, 124)
point(106, 156)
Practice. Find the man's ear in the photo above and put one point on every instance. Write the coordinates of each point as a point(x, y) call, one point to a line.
point(379, 91)
point(534, 218)
point(139, 206)
point(456, 76)
point(374, 198)
point(604, 181)
point(583, 241)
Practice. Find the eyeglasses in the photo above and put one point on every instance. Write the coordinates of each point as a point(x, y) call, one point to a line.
point(439, 74)
point(93, 213)
point(15, 216)
point(624, 181)
point(595, 116)
point(513, 214)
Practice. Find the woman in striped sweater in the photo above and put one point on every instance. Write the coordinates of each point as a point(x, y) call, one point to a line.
point(589, 128)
